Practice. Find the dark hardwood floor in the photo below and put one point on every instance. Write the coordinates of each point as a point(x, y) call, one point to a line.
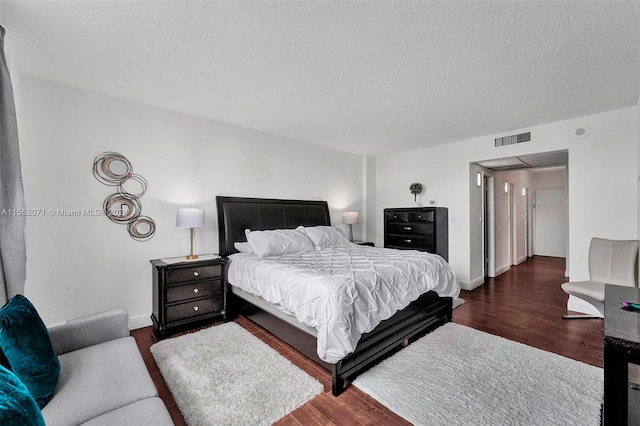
point(524, 304)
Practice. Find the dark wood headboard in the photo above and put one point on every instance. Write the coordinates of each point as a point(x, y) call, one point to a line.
point(236, 214)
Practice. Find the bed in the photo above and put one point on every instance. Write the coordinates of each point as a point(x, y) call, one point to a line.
point(425, 313)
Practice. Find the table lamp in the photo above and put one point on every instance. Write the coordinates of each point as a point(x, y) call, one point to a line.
point(190, 218)
point(350, 218)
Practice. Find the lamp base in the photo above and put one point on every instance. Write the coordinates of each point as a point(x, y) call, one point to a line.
point(191, 256)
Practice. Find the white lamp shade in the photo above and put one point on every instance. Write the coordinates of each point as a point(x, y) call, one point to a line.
point(350, 218)
point(190, 218)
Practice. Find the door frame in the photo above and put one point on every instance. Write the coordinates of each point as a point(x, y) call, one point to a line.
point(489, 225)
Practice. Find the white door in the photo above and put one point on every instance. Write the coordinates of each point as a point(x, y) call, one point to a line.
point(550, 222)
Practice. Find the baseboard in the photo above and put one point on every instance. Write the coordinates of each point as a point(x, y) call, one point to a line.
point(139, 322)
point(465, 285)
point(502, 269)
point(521, 259)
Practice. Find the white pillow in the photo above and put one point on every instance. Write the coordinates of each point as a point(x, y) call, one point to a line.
point(243, 247)
point(278, 241)
point(325, 236)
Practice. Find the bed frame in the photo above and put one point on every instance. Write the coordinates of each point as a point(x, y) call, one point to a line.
point(423, 315)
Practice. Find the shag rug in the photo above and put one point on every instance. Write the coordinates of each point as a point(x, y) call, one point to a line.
point(223, 375)
point(456, 375)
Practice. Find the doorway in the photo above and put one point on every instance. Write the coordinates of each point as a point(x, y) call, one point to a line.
point(494, 252)
point(550, 222)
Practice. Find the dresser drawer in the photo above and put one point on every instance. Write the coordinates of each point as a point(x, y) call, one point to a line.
point(410, 228)
point(190, 310)
point(192, 290)
point(410, 242)
point(422, 216)
point(176, 275)
point(396, 216)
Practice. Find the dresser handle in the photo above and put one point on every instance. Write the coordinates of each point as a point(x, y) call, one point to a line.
point(195, 273)
point(195, 308)
point(407, 228)
point(195, 290)
point(407, 241)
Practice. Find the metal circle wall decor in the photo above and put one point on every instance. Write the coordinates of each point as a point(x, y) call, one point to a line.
point(124, 207)
point(142, 228)
point(106, 168)
point(136, 179)
point(121, 208)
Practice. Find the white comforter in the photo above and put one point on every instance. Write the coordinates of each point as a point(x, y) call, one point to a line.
point(342, 292)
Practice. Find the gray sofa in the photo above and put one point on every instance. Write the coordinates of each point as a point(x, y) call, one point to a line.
point(103, 378)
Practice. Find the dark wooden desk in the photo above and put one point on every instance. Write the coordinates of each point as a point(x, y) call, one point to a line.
point(621, 347)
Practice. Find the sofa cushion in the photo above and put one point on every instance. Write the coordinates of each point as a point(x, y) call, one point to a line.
point(17, 406)
point(98, 379)
point(150, 411)
point(25, 342)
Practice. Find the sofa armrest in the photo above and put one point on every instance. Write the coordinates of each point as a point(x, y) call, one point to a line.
point(89, 330)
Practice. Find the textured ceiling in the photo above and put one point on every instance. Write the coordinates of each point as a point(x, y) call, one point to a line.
point(363, 77)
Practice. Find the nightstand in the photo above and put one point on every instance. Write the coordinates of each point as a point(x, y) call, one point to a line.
point(186, 292)
point(364, 243)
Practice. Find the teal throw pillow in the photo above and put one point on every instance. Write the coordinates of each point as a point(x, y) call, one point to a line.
point(25, 342)
point(17, 406)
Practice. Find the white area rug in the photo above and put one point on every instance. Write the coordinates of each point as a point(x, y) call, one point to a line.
point(224, 375)
point(460, 376)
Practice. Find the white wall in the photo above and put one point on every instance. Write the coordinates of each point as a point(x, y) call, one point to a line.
point(550, 178)
point(81, 265)
point(369, 178)
point(502, 224)
point(603, 194)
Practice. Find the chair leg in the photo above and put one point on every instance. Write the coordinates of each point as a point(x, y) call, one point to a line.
point(583, 308)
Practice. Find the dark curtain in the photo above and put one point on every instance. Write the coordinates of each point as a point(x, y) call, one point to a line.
point(13, 252)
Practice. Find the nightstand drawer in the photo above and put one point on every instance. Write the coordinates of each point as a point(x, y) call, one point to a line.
point(193, 273)
point(193, 309)
point(193, 290)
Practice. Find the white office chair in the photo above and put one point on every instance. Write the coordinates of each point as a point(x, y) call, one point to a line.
point(610, 262)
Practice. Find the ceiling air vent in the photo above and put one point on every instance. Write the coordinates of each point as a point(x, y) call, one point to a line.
point(513, 139)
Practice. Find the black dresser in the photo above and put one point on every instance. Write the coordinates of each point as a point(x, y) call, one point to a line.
point(417, 228)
